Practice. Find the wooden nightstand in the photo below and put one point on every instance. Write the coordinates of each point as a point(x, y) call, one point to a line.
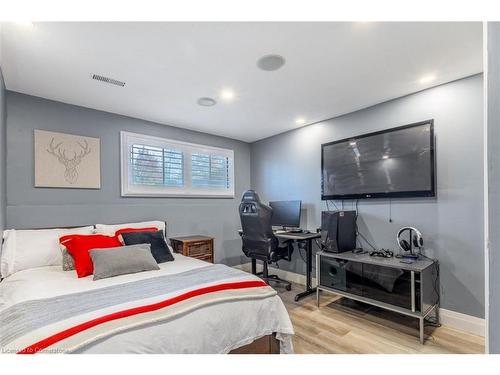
point(199, 247)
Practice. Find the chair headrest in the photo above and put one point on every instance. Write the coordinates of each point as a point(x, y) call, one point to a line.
point(250, 196)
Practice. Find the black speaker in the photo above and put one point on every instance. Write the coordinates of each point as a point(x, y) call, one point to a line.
point(332, 273)
point(338, 231)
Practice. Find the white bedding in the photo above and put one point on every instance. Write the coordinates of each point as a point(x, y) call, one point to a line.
point(217, 328)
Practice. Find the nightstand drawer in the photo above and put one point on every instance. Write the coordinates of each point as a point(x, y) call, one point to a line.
point(196, 249)
point(199, 247)
point(206, 258)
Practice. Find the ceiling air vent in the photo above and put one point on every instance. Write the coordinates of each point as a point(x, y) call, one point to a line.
point(111, 81)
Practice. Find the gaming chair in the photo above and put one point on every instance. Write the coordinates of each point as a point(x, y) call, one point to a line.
point(259, 241)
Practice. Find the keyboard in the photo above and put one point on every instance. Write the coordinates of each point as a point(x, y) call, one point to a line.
point(292, 231)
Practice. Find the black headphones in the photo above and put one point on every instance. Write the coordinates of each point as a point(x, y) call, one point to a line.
point(415, 238)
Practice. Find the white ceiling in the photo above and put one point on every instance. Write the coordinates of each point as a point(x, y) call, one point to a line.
point(331, 68)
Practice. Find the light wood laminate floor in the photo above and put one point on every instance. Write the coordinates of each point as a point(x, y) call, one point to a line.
point(344, 326)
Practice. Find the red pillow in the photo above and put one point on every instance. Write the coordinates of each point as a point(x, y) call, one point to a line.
point(79, 245)
point(127, 230)
point(68, 237)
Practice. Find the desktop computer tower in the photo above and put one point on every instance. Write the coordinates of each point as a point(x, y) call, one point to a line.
point(338, 231)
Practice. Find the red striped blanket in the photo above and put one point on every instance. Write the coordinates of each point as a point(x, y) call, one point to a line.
point(27, 334)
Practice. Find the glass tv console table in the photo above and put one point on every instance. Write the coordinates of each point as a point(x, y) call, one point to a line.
point(409, 289)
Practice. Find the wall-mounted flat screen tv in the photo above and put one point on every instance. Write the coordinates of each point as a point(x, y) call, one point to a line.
point(397, 162)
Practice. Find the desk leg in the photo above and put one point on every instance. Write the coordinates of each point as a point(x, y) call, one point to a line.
point(309, 289)
point(254, 266)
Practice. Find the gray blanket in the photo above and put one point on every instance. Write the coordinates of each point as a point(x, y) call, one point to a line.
point(22, 318)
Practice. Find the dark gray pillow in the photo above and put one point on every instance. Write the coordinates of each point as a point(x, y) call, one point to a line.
point(159, 247)
point(122, 260)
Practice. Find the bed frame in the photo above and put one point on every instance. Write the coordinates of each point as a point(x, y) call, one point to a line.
point(268, 344)
point(265, 345)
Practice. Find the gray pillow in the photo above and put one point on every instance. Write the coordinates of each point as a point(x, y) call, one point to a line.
point(122, 260)
point(68, 264)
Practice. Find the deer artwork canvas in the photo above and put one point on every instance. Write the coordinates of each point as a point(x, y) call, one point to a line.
point(66, 160)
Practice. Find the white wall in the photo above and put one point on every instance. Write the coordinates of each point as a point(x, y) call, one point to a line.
point(3, 115)
point(494, 184)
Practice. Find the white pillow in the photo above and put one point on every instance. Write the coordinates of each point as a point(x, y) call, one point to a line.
point(25, 249)
point(110, 229)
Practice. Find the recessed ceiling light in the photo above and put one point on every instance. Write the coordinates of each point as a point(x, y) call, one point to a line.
point(227, 95)
point(352, 143)
point(270, 63)
point(364, 23)
point(300, 120)
point(427, 79)
point(206, 102)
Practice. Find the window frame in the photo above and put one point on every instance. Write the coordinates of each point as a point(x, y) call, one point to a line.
point(187, 191)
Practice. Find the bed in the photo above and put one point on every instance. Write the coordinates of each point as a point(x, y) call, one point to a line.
point(187, 306)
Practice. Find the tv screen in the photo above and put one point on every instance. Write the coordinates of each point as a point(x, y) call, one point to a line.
point(397, 162)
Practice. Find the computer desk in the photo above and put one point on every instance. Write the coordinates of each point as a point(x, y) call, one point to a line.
point(301, 239)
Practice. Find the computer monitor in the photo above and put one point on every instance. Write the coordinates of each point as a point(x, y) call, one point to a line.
point(286, 213)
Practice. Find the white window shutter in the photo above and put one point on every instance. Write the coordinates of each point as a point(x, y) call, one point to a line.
point(153, 166)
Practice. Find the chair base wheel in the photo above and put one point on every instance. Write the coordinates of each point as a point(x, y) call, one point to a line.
point(275, 280)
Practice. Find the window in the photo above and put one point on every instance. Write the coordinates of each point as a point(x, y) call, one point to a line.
point(153, 166)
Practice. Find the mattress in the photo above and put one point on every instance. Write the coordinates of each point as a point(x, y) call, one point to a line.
point(211, 328)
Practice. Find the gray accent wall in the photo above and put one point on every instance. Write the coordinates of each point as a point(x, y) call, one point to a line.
point(30, 207)
point(287, 166)
point(494, 184)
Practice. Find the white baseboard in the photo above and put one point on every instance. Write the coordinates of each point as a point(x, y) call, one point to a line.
point(283, 274)
point(449, 318)
point(462, 322)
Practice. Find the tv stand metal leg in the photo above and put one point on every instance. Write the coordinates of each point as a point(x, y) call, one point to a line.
point(421, 328)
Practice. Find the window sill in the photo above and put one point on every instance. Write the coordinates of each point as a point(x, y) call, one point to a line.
point(166, 195)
